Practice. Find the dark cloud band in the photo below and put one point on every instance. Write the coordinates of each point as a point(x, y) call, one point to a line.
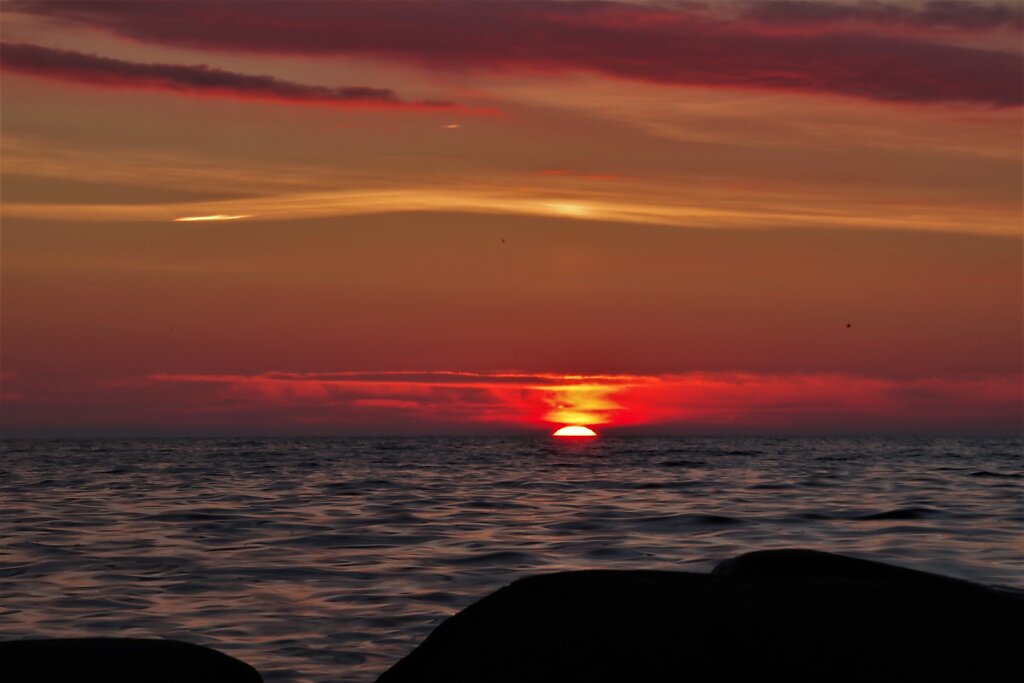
point(959, 15)
point(200, 79)
point(811, 46)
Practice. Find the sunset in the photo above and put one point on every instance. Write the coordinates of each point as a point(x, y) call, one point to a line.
point(496, 235)
point(560, 214)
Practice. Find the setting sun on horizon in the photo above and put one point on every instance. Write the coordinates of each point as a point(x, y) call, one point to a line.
point(575, 431)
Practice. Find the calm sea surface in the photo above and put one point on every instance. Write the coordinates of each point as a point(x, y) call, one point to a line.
point(327, 560)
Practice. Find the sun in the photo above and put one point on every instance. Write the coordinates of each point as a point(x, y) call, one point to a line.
point(575, 430)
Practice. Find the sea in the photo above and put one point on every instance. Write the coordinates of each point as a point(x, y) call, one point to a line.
point(321, 560)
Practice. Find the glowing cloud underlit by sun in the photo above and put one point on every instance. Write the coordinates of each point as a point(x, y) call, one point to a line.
point(588, 403)
point(575, 431)
point(568, 209)
point(214, 217)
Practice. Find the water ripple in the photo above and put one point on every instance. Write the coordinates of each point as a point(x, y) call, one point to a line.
point(324, 560)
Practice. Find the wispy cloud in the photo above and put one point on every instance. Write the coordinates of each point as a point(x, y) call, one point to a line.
point(464, 402)
point(545, 201)
point(722, 400)
point(877, 50)
point(199, 79)
point(212, 217)
point(502, 397)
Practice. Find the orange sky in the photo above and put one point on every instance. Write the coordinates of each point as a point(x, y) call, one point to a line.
point(732, 217)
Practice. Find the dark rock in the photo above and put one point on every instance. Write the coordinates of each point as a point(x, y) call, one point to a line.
point(797, 563)
point(794, 614)
point(119, 660)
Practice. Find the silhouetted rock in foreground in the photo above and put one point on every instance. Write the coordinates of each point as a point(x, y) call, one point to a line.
point(119, 660)
point(797, 614)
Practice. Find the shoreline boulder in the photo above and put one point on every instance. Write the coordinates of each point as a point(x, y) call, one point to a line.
point(119, 660)
point(797, 614)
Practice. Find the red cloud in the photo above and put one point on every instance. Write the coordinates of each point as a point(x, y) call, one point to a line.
point(78, 67)
point(456, 402)
point(875, 50)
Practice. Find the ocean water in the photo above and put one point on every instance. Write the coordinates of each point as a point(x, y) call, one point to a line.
point(329, 559)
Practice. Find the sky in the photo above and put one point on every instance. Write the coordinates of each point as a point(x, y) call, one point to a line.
point(501, 217)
